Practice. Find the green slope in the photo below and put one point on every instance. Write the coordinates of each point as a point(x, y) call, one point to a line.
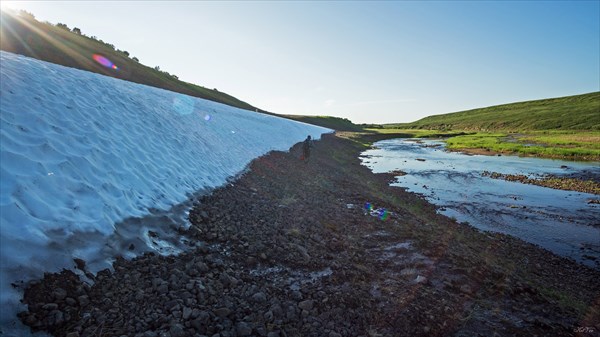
point(335, 123)
point(23, 34)
point(580, 112)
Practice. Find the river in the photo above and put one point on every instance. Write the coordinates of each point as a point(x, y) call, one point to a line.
point(563, 222)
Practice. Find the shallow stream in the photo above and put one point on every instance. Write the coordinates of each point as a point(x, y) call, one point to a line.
point(563, 222)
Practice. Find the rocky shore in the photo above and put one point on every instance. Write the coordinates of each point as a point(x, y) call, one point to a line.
point(489, 152)
point(323, 248)
point(567, 183)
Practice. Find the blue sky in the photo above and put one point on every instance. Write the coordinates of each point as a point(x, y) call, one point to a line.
point(378, 62)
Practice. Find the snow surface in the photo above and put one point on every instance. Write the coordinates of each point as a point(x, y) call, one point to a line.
point(89, 163)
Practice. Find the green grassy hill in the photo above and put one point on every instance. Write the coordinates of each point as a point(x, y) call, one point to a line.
point(580, 112)
point(22, 34)
point(335, 123)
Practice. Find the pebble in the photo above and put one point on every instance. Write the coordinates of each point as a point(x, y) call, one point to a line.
point(306, 305)
point(176, 330)
point(222, 312)
point(421, 279)
point(243, 329)
point(466, 289)
point(83, 300)
point(259, 297)
point(187, 313)
point(50, 306)
point(59, 294)
point(56, 317)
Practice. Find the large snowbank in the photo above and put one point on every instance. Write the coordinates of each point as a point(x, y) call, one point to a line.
point(82, 153)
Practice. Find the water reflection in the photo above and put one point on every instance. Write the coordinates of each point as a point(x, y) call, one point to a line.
point(560, 221)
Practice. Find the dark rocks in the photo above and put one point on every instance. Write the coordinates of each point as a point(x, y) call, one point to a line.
point(176, 330)
point(70, 301)
point(59, 294)
point(466, 289)
point(280, 254)
point(56, 317)
point(421, 279)
point(243, 329)
point(306, 305)
point(50, 306)
point(162, 289)
point(83, 300)
point(259, 297)
point(222, 312)
point(80, 264)
point(201, 320)
point(187, 313)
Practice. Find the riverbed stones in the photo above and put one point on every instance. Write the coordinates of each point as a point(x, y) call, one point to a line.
point(59, 294)
point(176, 330)
point(243, 329)
point(259, 297)
point(306, 305)
point(222, 312)
point(420, 279)
point(466, 289)
point(83, 300)
point(248, 274)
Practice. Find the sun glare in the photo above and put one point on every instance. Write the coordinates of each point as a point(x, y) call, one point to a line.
point(8, 5)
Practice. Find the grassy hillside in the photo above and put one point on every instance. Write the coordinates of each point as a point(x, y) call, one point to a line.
point(23, 34)
point(580, 112)
point(335, 123)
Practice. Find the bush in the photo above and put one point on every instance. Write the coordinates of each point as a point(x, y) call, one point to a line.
point(63, 26)
point(26, 15)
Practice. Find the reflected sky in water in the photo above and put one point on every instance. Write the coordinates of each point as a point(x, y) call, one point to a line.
point(561, 221)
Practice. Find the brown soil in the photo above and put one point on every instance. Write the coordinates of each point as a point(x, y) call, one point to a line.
point(289, 249)
point(551, 181)
point(486, 152)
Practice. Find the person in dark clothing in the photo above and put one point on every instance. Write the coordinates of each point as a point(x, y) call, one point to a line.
point(306, 148)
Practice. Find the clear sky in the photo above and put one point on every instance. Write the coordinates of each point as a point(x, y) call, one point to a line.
point(371, 62)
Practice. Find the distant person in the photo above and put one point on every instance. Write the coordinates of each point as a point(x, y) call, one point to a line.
point(306, 148)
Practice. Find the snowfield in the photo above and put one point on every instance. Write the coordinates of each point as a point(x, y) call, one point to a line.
point(86, 158)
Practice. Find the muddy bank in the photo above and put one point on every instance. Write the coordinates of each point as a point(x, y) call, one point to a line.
point(324, 248)
point(488, 152)
point(573, 183)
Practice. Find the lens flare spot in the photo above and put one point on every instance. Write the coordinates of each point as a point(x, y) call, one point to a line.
point(383, 214)
point(380, 213)
point(183, 105)
point(104, 61)
point(207, 117)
